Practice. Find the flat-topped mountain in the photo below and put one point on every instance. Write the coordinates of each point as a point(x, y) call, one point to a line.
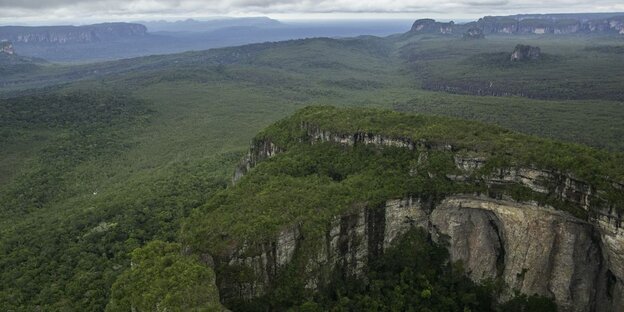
point(193, 25)
point(327, 192)
point(71, 34)
point(557, 24)
point(525, 52)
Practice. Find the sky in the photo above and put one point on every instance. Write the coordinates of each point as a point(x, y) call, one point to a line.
point(24, 12)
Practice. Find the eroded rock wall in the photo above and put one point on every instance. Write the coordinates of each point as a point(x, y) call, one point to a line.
point(534, 249)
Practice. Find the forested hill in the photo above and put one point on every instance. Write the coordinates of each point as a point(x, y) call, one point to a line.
point(324, 197)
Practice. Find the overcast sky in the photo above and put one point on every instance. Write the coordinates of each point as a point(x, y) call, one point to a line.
point(85, 11)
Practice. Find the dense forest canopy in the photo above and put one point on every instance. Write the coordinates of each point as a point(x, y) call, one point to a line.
point(108, 164)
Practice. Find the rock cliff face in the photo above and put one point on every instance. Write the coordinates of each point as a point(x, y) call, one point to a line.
point(259, 151)
point(533, 248)
point(6, 47)
point(431, 26)
point(528, 24)
point(525, 53)
point(71, 34)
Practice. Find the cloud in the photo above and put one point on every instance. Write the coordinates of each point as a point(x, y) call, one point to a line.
point(22, 10)
point(486, 3)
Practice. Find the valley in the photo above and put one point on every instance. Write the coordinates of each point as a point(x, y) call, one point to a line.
point(101, 159)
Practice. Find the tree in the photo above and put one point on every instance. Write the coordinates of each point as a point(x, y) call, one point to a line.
point(162, 279)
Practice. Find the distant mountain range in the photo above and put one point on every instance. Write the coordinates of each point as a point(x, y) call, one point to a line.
point(192, 25)
point(124, 40)
point(71, 34)
point(539, 24)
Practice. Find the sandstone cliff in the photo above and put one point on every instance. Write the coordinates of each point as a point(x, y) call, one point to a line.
point(525, 53)
point(431, 26)
point(574, 255)
point(561, 24)
point(71, 34)
point(6, 47)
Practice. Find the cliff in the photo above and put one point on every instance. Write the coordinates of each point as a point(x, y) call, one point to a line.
point(525, 53)
point(557, 24)
point(431, 26)
point(71, 34)
point(6, 47)
point(539, 226)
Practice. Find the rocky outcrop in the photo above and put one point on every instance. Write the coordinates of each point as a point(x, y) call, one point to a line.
point(556, 24)
point(349, 242)
point(6, 47)
point(262, 263)
point(474, 33)
point(433, 27)
point(259, 151)
point(534, 248)
point(525, 53)
point(611, 25)
point(71, 34)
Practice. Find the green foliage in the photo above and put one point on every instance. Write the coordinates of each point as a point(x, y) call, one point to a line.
point(533, 303)
point(413, 275)
point(483, 67)
point(75, 211)
point(162, 279)
point(499, 144)
point(93, 169)
point(309, 185)
point(607, 49)
point(83, 126)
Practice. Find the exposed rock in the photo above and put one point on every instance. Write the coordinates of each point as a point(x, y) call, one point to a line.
point(525, 53)
point(556, 24)
point(259, 151)
point(71, 34)
point(6, 47)
point(474, 33)
point(264, 261)
point(349, 242)
point(534, 249)
point(431, 26)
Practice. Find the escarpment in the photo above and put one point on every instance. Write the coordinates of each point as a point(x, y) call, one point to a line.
point(562, 24)
point(71, 34)
point(534, 224)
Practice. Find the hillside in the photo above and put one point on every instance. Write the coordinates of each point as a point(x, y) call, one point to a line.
point(328, 191)
point(113, 41)
point(100, 160)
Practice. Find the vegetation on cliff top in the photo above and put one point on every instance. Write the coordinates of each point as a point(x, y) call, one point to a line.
point(517, 149)
point(309, 184)
point(414, 274)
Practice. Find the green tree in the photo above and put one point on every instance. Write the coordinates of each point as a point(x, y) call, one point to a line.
point(162, 279)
